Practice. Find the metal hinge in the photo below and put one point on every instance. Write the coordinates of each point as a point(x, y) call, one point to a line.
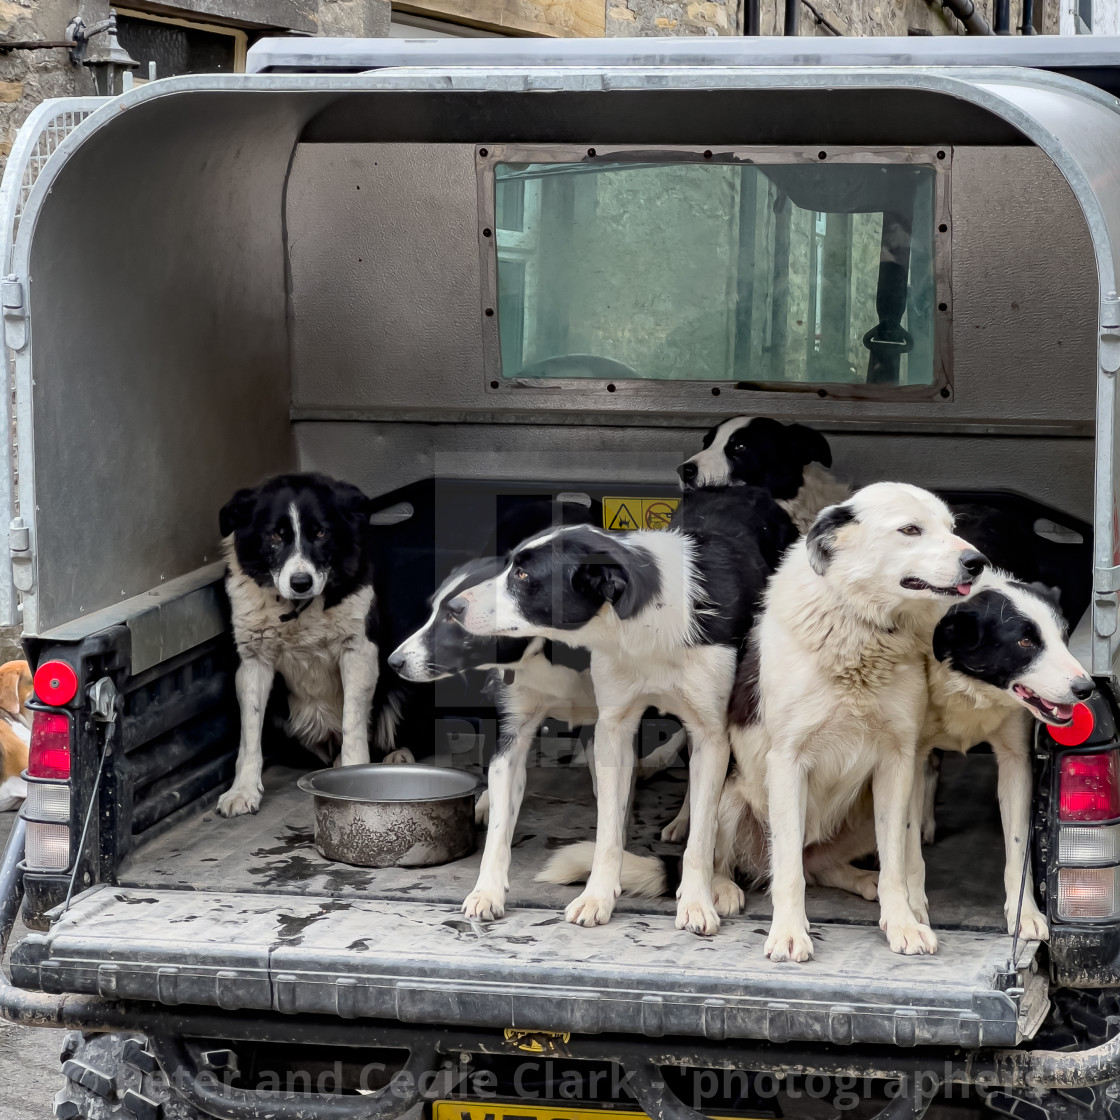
point(1110, 333)
point(536, 1042)
point(1106, 580)
point(19, 547)
point(15, 312)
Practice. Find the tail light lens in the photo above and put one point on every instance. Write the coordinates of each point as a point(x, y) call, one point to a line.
point(1090, 787)
point(1090, 847)
point(47, 847)
point(47, 801)
point(49, 754)
point(1088, 892)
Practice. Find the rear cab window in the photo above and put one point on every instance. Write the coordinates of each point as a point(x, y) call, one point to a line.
point(809, 271)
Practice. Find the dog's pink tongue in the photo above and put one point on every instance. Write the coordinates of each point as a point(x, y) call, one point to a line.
point(1063, 711)
point(964, 588)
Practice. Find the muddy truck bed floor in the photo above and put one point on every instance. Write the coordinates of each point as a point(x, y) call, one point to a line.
point(273, 852)
point(246, 914)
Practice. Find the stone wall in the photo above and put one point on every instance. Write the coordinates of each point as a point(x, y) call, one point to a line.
point(849, 17)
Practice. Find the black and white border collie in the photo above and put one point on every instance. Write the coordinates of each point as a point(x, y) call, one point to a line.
point(663, 614)
point(788, 460)
point(998, 659)
point(530, 685)
point(300, 582)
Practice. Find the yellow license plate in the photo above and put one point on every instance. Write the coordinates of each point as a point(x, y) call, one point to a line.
point(497, 1110)
point(503, 1110)
point(638, 513)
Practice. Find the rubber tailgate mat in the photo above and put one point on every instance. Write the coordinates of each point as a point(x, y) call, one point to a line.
point(423, 963)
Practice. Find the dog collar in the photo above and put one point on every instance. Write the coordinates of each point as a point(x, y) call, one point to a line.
point(299, 608)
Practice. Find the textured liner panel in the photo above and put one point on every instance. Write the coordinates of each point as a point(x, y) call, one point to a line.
point(421, 963)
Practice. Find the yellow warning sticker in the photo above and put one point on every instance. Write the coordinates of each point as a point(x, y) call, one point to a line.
point(638, 513)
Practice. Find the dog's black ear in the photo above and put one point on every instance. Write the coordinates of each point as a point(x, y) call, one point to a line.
point(958, 630)
point(1050, 594)
point(606, 583)
point(820, 541)
point(351, 501)
point(810, 445)
point(237, 512)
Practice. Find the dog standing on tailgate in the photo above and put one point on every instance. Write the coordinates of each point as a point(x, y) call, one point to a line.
point(832, 691)
point(530, 684)
point(998, 659)
point(663, 614)
point(300, 581)
point(15, 732)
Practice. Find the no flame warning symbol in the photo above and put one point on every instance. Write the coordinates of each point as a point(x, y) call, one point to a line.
point(638, 513)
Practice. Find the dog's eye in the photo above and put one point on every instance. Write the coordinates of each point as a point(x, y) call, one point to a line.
point(911, 530)
point(1026, 643)
point(320, 534)
point(275, 538)
point(520, 573)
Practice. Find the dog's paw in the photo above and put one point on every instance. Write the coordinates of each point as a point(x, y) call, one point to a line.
point(697, 916)
point(399, 756)
point(1032, 925)
point(728, 896)
point(486, 905)
point(789, 943)
point(676, 829)
point(912, 938)
point(866, 884)
point(238, 800)
point(590, 910)
point(482, 809)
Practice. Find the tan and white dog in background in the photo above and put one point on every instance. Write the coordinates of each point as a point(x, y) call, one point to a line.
point(15, 732)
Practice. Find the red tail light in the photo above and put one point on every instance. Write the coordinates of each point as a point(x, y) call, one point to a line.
point(49, 755)
point(56, 683)
point(1072, 736)
point(1090, 787)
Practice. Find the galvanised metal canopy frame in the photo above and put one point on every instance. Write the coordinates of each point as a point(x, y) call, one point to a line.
point(208, 159)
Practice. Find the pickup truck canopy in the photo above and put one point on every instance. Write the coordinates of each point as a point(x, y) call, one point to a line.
point(186, 187)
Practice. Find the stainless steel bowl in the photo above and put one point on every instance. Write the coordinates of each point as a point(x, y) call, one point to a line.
point(393, 816)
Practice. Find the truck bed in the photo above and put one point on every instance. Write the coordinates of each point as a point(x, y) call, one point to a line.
point(246, 914)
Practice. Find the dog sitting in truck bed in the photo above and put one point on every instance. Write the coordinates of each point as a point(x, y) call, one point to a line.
point(663, 614)
point(301, 587)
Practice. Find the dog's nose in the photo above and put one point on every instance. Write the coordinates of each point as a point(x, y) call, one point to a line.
point(1082, 688)
point(457, 606)
point(688, 471)
point(973, 562)
point(396, 660)
point(301, 583)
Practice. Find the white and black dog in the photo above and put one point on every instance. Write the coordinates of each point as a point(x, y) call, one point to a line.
point(998, 659)
point(663, 614)
point(832, 692)
point(532, 681)
point(300, 582)
point(791, 461)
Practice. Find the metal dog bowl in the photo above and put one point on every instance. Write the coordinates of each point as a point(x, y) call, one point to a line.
point(393, 816)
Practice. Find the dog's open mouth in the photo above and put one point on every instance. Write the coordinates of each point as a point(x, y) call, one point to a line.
point(1058, 714)
point(912, 583)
